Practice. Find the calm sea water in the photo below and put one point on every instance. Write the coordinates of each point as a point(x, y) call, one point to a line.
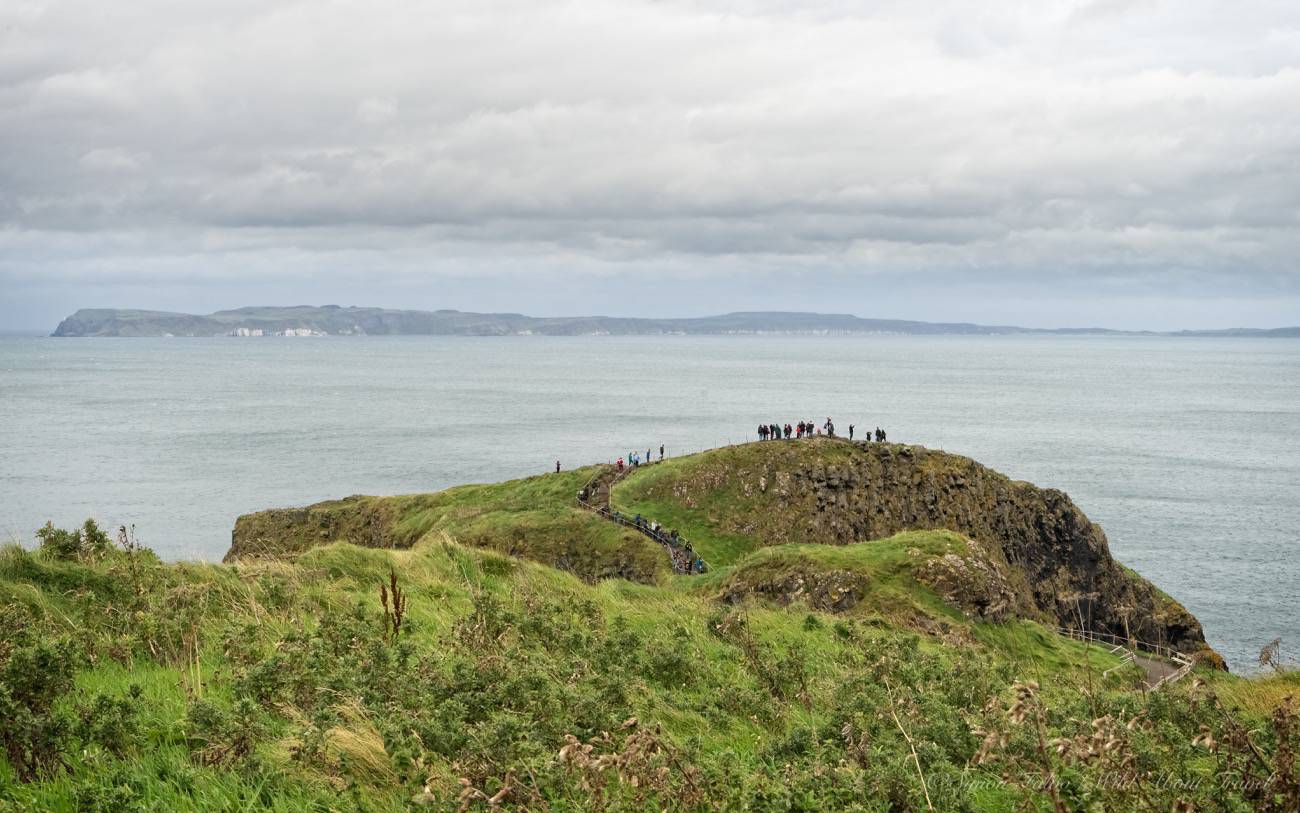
point(1187, 451)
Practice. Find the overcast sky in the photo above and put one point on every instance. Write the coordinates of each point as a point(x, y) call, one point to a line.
point(1102, 162)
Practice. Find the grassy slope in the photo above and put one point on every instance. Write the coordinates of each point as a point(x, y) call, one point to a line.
point(502, 657)
point(893, 595)
point(659, 648)
point(701, 523)
point(533, 517)
point(263, 602)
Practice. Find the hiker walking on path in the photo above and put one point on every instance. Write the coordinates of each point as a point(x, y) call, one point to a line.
point(661, 451)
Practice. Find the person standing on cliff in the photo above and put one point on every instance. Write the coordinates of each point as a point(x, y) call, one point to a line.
point(557, 467)
point(850, 431)
point(661, 451)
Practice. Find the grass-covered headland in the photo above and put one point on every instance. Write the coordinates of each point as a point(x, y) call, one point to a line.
point(496, 647)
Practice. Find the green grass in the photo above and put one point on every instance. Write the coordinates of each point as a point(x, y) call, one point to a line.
point(892, 591)
point(747, 691)
point(578, 657)
point(535, 518)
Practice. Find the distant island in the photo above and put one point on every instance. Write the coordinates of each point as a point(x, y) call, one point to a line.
point(335, 320)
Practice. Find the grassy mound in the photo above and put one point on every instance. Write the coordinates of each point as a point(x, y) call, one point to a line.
point(1029, 551)
point(129, 684)
point(534, 518)
point(915, 579)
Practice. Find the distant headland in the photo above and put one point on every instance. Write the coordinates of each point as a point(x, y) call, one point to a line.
point(334, 320)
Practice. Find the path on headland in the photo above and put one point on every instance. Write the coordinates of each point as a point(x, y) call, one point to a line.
point(596, 497)
point(1158, 672)
point(1160, 664)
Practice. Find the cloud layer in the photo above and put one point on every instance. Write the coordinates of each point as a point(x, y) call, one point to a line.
point(1084, 152)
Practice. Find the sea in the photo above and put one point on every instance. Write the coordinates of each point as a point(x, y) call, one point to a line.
point(1185, 450)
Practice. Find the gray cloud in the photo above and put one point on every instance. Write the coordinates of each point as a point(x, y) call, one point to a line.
point(1117, 149)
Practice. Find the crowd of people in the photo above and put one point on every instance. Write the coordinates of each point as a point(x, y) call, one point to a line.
point(806, 429)
point(635, 460)
point(685, 560)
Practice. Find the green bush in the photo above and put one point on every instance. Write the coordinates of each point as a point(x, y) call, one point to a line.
point(34, 676)
point(85, 543)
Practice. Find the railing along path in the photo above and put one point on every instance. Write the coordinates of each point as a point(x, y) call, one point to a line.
point(683, 562)
point(1128, 649)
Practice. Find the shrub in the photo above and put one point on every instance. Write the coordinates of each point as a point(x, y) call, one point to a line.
point(85, 543)
point(34, 676)
point(221, 736)
point(110, 722)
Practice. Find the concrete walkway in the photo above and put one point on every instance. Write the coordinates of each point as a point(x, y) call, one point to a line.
point(1157, 670)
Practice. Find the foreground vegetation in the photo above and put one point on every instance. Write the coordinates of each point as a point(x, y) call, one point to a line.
point(453, 677)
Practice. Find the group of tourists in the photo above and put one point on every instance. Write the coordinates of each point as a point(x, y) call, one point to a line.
point(684, 557)
point(807, 429)
point(802, 429)
point(634, 459)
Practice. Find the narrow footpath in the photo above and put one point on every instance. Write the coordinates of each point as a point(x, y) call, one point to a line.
point(1158, 671)
point(596, 497)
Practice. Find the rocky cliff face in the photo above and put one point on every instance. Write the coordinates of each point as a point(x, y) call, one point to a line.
point(842, 493)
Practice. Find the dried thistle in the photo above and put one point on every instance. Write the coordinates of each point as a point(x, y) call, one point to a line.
point(393, 599)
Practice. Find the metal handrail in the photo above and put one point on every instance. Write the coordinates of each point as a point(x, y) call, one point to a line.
point(644, 529)
point(1185, 663)
point(1106, 637)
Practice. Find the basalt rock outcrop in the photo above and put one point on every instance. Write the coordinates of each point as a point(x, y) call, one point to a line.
point(832, 591)
point(366, 521)
point(834, 492)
